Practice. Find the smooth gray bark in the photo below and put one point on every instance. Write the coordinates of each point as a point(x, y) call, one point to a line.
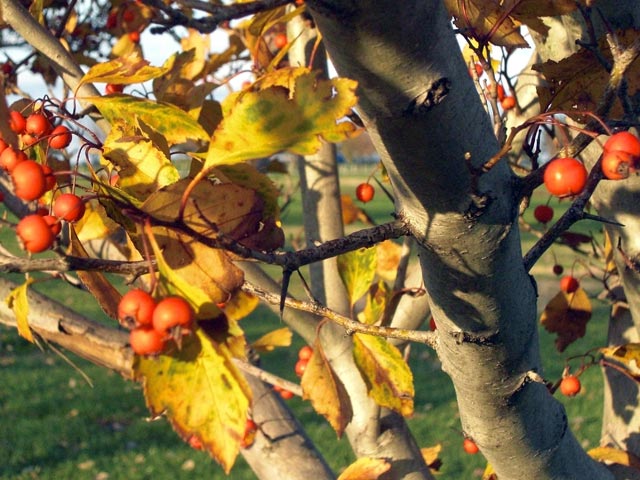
point(424, 117)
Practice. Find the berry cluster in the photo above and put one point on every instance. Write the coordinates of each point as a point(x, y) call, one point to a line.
point(153, 323)
point(304, 354)
point(31, 179)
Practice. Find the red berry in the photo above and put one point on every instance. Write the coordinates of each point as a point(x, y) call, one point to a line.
point(129, 16)
point(136, 308)
point(69, 207)
point(10, 157)
point(49, 177)
point(60, 137)
point(171, 312)
point(113, 88)
point(280, 40)
point(569, 284)
point(305, 353)
point(558, 269)
point(28, 139)
point(432, 324)
point(365, 192)
point(35, 233)
point(543, 213)
point(570, 386)
point(623, 142)
point(286, 394)
point(7, 68)
point(28, 180)
point(565, 176)
point(146, 340)
point(134, 36)
point(470, 446)
point(3, 145)
point(500, 92)
point(17, 122)
point(616, 165)
point(38, 124)
point(508, 102)
point(479, 69)
point(54, 224)
point(301, 366)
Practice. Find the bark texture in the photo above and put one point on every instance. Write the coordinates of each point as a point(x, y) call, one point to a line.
point(423, 114)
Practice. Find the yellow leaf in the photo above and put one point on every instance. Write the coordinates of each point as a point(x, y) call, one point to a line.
point(377, 301)
point(124, 46)
point(94, 224)
point(175, 125)
point(614, 455)
point(18, 302)
point(388, 255)
point(388, 377)
point(365, 468)
point(357, 270)
point(258, 124)
point(431, 456)
point(326, 392)
point(239, 305)
point(197, 45)
point(273, 339)
point(142, 164)
point(125, 70)
point(567, 315)
point(626, 356)
point(202, 394)
point(203, 275)
point(489, 473)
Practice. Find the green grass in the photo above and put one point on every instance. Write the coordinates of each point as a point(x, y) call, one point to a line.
point(53, 425)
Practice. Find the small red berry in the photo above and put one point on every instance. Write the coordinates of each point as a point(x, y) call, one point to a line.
point(286, 394)
point(508, 102)
point(69, 207)
point(558, 269)
point(470, 446)
point(623, 142)
point(172, 312)
point(564, 177)
point(54, 224)
point(146, 341)
point(113, 88)
point(38, 124)
point(136, 308)
point(134, 36)
point(300, 367)
point(280, 40)
point(569, 284)
point(543, 213)
point(28, 180)
point(305, 353)
point(570, 386)
point(10, 157)
point(365, 192)
point(501, 93)
point(60, 137)
point(35, 233)
point(17, 122)
point(432, 324)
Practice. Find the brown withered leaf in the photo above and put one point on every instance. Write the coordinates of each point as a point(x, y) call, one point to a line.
point(488, 21)
point(326, 392)
point(567, 315)
point(575, 84)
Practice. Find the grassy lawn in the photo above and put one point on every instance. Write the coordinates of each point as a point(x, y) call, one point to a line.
point(53, 425)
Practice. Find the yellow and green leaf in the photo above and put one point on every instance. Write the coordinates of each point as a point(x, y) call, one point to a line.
point(125, 70)
point(357, 270)
point(258, 124)
point(202, 394)
point(388, 377)
point(174, 124)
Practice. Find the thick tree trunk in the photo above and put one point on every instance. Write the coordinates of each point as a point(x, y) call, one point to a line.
point(423, 114)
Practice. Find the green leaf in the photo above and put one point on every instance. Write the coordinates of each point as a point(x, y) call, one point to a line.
point(388, 377)
point(142, 162)
point(18, 302)
point(258, 124)
point(357, 270)
point(176, 125)
point(202, 394)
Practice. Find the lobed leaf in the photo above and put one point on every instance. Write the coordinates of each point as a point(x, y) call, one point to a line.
point(567, 314)
point(202, 394)
point(387, 375)
point(258, 124)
